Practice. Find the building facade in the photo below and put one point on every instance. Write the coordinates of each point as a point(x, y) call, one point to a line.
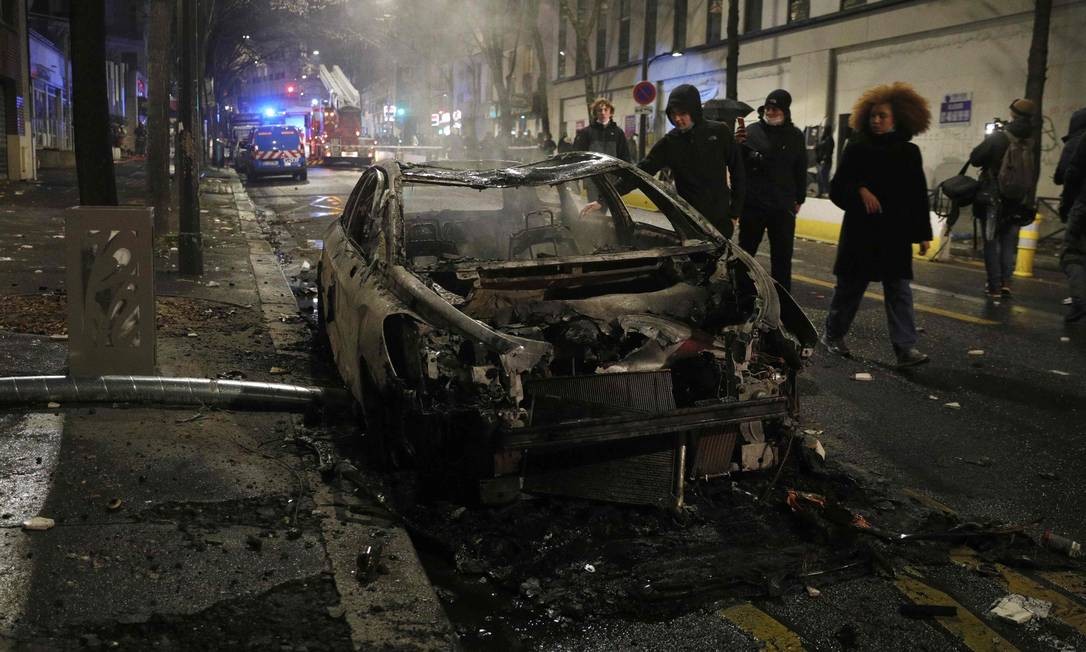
point(16, 141)
point(968, 58)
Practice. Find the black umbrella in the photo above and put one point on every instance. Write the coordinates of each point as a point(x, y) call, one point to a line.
point(726, 110)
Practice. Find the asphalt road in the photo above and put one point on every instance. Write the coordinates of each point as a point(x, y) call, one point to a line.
point(992, 428)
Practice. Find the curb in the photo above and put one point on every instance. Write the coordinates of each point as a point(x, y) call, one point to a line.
point(397, 607)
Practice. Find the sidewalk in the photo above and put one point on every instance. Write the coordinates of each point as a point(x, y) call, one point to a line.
point(186, 527)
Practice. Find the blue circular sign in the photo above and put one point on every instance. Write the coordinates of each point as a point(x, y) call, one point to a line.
point(644, 92)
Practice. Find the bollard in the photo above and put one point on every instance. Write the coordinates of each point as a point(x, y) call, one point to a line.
point(1027, 248)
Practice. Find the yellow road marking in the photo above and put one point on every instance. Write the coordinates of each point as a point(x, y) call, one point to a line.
point(1069, 581)
point(919, 307)
point(763, 627)
point(1063, 607)
point(966, 627)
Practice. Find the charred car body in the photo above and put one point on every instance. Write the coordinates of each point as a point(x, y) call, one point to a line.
point(502, 332)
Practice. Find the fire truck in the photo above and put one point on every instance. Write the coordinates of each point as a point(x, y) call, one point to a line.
point(337, 125)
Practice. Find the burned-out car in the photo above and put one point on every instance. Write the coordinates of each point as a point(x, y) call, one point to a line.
point(528, 327)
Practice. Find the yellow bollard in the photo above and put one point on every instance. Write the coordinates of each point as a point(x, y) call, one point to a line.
point(1027, 248)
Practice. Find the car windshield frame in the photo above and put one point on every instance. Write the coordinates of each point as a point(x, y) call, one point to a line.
point(549, 172)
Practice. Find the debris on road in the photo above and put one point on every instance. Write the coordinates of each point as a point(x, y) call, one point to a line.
point(114, 504)
point(1019, 609)
point(953, 405)
point(862, 375)
point(1064, 338)
point(813, 592)
point(369, 559)
point(52, 404)
point(212, 284)
point(976, 352)
point(1059, 373)
point(38, 523)
point(981, 461)
point(1067, 546)
point(278, 371)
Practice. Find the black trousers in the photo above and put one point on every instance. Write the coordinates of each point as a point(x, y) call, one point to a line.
point(781, 226)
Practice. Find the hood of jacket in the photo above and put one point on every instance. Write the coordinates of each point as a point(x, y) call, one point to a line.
point(1077, 124)
point(685, 98)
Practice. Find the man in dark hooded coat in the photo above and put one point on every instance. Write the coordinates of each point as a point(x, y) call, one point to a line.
point(704, 160)
point(1071, 174)
point(775, 158)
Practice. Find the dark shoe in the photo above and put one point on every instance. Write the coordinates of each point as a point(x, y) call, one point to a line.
point(1005, 292)
point(836, 346)
point(994, 295)
point(910, 357)
point(1076, 312)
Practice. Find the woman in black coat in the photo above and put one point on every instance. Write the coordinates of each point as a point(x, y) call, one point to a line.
point(880, 185)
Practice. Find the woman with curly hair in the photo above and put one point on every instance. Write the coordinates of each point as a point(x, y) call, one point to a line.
point(881, 187)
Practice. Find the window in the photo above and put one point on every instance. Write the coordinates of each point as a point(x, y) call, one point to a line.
point(7, 12)
point(849, 4)
point(799, 10)
point(365, 223)
point(715, 11)
point(752, 16)
point(561, 69)
point(650, 29)
point(678, 29)
point(623, 31)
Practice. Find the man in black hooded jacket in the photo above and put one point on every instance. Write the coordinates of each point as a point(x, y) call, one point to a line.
point(775, 156)
point(698, 151)
point(1071, 174)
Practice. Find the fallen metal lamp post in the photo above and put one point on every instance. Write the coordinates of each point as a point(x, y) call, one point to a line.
point(238, 394)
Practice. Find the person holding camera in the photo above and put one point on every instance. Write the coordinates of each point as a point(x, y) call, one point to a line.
point(1004, 200)
point(775, 157)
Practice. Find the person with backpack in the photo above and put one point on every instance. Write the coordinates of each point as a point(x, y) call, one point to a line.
point(1005, 198)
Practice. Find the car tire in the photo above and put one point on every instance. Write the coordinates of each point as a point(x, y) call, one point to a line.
point(303, 175)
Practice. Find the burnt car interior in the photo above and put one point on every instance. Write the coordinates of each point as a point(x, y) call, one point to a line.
point(665, 353)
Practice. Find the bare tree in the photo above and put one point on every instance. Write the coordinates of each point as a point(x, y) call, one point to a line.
point(498, 38)
point(543, 82)
point(158, 99)
point(583, 19)
point(732, 58)
point(1037, 71)
point(93, 146)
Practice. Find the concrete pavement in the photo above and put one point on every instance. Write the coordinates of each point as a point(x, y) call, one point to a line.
point(190, 527)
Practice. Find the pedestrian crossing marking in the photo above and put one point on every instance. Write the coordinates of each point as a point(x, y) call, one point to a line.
point(763, 627)
point(966, 627)
point(919, 307)
point(1063, 607)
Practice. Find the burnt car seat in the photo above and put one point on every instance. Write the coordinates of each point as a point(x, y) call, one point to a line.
point(425, 238)
point(542, 238)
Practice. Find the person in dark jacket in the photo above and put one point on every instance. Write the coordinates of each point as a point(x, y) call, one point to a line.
point(1071, 174)
point(603, 135)
point(698, 151)
point(775, 158)
point(881, 187)
point(1000, 236)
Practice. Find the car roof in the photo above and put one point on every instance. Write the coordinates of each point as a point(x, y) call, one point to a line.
point(563, 167)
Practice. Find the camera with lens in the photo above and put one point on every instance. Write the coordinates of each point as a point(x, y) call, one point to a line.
point(997, 124)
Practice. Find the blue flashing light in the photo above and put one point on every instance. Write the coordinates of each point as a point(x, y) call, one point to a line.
point(269, 112)
point(401, 111)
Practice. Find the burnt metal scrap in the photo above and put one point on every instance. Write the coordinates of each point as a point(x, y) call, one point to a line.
point(519, 327)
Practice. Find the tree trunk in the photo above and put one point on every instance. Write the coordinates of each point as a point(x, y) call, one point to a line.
point(732, 60)
point(544, 76)
point(189, 243)
point(158, 122)
point(1037, 70)
point(90, 119)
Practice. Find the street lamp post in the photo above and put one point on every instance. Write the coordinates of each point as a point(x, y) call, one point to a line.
point(645, 63)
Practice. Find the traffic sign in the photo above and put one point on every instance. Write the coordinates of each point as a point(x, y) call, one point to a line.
point(644, 92)
point(643, 110)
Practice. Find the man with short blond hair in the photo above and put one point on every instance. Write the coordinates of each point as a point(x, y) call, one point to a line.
point(603, 135)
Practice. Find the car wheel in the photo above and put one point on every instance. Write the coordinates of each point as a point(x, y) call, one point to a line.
point(304, 175)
